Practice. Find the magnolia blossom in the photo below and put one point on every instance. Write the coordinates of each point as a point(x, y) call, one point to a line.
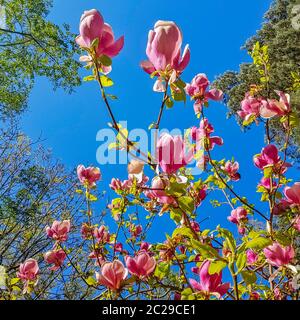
point(209, 283)
point(272, 107)
point(195, 226)
point(157, 191)
point(250, 107)
point(145, 246)
point(238, 215)
point(92, 26)
point(203, 136)
point(292, 194)
point(28, 270)
point(55, 257)
point(88, 176)
point(252, 257)
point(112, 274)
point(269, 157)
point(278, 255)
point(164, 52)
point(86, 231)
point(253, 107)
point(198, 92)
point(59, 230)
point(172, 154)
point(101, 234)
point(231, 170)
point(135, 230)
point(142, 266)
point(266, 183)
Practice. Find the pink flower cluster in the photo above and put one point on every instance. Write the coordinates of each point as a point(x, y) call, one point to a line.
point(198, 92)
point(113, 274)
point(239, 216)
point(253, 107)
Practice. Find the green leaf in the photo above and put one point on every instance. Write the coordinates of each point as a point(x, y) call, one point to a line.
point(228, 236)
point(216, 266)
point(186, 204)
point(106, 81)
point(175, 215)
point(184, 231)
point(258, 243)
point(105, 60)
point(205, 250)
point(187, 294)
point(249, 276)
point(89, 78)
point(14, 281)
point(241, 262)
point(169, 103)
point(91, 281)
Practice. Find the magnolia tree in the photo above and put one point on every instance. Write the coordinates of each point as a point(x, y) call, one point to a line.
point(260, 263)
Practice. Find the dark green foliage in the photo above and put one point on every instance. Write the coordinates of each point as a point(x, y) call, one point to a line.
point(32, 46)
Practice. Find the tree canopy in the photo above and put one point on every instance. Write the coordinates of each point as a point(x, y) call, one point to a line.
point(31, 46)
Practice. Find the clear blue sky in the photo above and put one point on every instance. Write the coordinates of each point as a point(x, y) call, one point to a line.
point(215, 31)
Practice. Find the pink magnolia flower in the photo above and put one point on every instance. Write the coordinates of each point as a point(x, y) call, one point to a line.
point(292, 194)
point(266, 108)
point(55, 257)
point(28, 270)
point(238, 215)
point(142, 265)
point(171, 153)
point(272, 107)
point(278, 295)
point(92, 26)
point(198, 92)
point(88, 176)
point(266, 183)
point(204, 134)
point(135, 231)
point(252, 257)
point(209, 283)
point(254, 295)
point(164, 49)
point(157, 191)
point(86, 231)
point(112, 275)
point(59, 230)
point(269, 157)
point(101, 234)
point(232, 170)
point(195, 226)
point(279, 256)
point(250, 107)
point(145, 246)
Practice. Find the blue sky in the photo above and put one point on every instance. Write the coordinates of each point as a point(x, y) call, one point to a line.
point(215, 31)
